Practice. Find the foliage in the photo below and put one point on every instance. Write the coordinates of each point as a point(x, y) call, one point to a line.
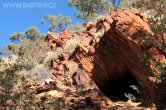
point(90, 9)
point(145, 57)
point(32, 33)
point(50, 56)
point(149, 40)
point(8, 78)
point(30, 48)
point(71, 44)
point(76, 29)
point(22, 63)
point(16, 36)
point(159, 67)
point(57, 22)
point(15, 95)
point(162, 68)
point(155, 11)
point(30, 53)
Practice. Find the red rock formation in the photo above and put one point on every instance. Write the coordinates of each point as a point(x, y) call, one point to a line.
point(118, 50)
point(110, 50)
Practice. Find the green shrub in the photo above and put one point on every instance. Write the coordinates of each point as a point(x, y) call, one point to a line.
point(149, 40)
point(50, 56)
point(145, 57)
point(71, 44)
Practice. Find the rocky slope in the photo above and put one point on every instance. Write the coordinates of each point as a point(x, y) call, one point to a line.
point(106, 62)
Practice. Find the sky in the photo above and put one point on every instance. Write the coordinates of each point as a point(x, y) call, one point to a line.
point(18, 15)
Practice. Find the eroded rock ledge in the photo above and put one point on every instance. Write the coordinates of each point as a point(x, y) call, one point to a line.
point(109, 53)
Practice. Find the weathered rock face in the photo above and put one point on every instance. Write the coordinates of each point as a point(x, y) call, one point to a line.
point(109, 52)
point(116, 53)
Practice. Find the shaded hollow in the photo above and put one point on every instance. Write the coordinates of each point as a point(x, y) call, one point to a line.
point(117, 88)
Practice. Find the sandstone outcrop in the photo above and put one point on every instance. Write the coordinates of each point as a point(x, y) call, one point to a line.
point(109, 54)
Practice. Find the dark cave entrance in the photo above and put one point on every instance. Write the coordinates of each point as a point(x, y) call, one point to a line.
point(123, 88)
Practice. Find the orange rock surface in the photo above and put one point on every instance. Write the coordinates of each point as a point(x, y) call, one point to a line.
point(113, 54)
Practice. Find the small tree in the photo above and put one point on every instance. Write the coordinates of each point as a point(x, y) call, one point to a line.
point(57, 22)
point(90, 9)
point(16, 37)
point(29, 47)
point(32, 33)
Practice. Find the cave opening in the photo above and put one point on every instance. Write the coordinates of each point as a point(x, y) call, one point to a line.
point(123, 88)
